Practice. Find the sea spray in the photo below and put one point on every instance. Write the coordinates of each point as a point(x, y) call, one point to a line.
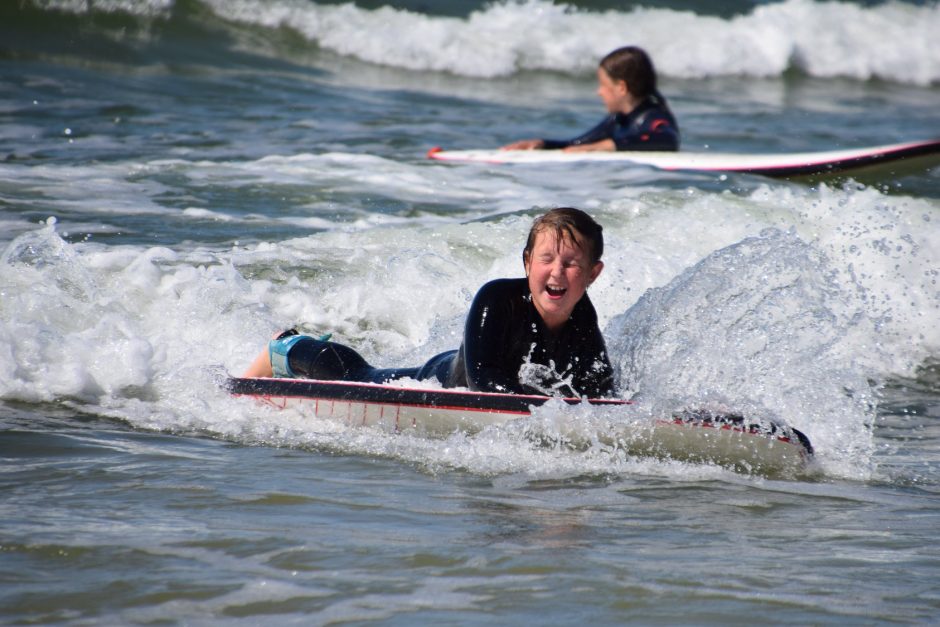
point(754, 327)
point(825, 39)
point(164, 318)
point(47, 331)
point(108, 325)
point(498, 39)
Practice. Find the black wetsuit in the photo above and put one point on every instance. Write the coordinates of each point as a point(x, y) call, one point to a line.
point(503, 331)
point(651, 126)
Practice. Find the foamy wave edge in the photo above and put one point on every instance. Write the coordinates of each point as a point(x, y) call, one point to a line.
point(891, 41)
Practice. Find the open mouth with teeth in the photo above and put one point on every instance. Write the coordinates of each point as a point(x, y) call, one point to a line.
point(555, 292)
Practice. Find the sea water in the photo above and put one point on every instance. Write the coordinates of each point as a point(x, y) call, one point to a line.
point(180, 180)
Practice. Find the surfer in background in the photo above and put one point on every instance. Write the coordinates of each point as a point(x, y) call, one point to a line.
point(533, 335)
point(639, 118)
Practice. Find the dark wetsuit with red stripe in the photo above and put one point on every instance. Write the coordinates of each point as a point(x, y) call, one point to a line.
point(650, 126)
point(503, 332)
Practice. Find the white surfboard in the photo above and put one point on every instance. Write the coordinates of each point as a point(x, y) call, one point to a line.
point(875, 162)
point(763, 447)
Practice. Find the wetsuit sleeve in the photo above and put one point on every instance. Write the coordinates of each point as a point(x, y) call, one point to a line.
point(486, 337)
point(604, 130)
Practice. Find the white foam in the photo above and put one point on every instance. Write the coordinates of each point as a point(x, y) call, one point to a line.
point(205, 214)
point(892, 41)
point(759, 326)
point(136, 331)
point(86, 189)
point(134, 7)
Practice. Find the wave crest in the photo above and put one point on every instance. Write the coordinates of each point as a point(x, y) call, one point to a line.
point(894, 41)
point(830, 39)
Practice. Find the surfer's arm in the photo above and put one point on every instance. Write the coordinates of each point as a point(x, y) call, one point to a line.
point(525, 144)
point(605, 145)
point(598, 138)
point(486, 340)
point(603, 131)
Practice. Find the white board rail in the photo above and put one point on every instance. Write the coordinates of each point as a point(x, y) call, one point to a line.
point(757, 446)
point(890, 160)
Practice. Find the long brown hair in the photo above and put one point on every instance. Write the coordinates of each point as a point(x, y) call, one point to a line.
point(633, 66)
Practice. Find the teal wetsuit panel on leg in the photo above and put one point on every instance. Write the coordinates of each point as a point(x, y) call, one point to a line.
point(277, 352)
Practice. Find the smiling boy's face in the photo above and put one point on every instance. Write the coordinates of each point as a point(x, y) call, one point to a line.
point(559, 274)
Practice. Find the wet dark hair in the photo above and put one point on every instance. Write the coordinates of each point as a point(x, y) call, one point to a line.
point(633, 66)
point(577, 226)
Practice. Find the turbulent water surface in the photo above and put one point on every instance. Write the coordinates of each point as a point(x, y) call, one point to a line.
point(179, 179)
